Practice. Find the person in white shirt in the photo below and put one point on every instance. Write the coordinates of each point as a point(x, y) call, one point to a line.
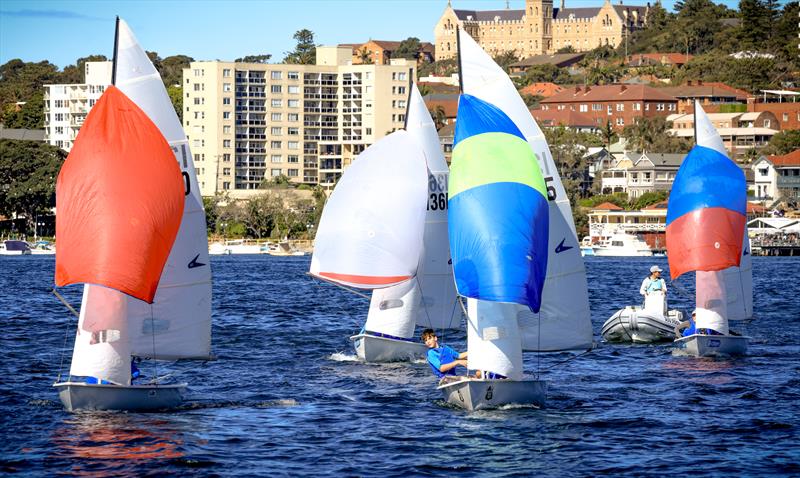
point(653, 283)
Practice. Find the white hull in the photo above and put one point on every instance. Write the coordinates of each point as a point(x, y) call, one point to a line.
point(620, 252)
point(370, 348)
point(635, 325)
point(83, 396)
point(712, 345)
point(43, 252)
point(479, 394)
point(4, 252)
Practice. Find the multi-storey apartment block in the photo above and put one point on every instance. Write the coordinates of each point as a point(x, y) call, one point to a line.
point(66, 106)
point(250, 122)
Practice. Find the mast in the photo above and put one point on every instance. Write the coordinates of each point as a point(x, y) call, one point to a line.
point(408, 97)
point(694, 112)
point(458, 52)
point(114, 60)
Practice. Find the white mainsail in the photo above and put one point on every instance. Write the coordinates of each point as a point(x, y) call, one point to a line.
point(563, 321)
point(371, 230)
point(493, 338)
point(178, 323)
point(428, 299)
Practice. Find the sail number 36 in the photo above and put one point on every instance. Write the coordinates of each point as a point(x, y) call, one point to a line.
point(437, 192)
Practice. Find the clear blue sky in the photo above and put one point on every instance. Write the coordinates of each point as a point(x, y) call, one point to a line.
point(63, 31)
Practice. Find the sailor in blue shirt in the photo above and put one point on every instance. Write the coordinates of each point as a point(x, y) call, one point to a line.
point(688, 325)
point(443, 360)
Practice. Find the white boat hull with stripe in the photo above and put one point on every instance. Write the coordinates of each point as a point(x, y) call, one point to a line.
point(84, 396)
point(372, 349)
point(480, 394)
point(712, 345)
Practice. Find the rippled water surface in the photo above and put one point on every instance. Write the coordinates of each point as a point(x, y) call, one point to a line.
point(286, 397)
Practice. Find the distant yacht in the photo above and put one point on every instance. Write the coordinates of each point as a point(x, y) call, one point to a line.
point(622, 244)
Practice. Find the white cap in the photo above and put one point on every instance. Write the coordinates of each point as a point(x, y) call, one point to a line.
point(655, 269)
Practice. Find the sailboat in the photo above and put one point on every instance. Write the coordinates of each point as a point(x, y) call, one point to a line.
point(706, 233)
point(371, 236)
point(515, 252)
point(171, 322)
point(428, 299)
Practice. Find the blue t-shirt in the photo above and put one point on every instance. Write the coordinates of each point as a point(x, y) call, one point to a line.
point(442, 356)
point(691, 330)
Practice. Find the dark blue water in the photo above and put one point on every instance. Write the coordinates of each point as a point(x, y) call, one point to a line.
point(285, 397)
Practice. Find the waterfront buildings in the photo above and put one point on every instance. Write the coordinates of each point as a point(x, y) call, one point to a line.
point(539, 28)
point(740, 132)
point(777, 177)
point(66, 106)
point(250, 122)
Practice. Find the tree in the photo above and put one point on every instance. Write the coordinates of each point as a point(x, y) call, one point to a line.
point(175, 93)
point(20, 82)
point(531, 101)
point(545, 73)
point(783, 142)
point(439, 116)
point(76, 73)
point(566, 49)
point(505, 59)
point(755, 24)
point(172, 69)
point(438, 68)
point(259, 214)
point(28, 171)
point(305, 53)
point(28, 116)
point(408, 49)
point(365, 56)
point(254, 59)
point(650, 134)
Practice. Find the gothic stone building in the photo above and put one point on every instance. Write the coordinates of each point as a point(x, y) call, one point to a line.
point(539, 28)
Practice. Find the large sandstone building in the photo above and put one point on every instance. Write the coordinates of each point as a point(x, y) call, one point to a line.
point(539, 28)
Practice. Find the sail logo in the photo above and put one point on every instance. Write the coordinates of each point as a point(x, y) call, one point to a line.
point(561, 247)
point(193, 263)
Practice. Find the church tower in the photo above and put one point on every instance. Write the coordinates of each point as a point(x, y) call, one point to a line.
point(539, 23)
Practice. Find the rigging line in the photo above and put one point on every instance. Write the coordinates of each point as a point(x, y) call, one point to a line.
point(66, 334)
point(571, 358)
point(339, 304)
point(153, 334)
point(539, 345)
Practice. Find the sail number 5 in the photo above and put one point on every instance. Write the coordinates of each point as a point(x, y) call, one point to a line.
point(551, 190)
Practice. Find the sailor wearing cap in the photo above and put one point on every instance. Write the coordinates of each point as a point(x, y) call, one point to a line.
point(653, 282)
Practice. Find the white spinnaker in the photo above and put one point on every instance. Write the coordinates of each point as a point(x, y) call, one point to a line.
point(178, 324)
point(493, 338)
point(563, 321)
point(370, 233)
point(394, 310)
point(711, 287)
point(102, 349)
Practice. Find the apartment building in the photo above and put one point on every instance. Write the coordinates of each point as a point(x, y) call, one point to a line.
point(250, 122)
point(66, 106)
point(740, 132)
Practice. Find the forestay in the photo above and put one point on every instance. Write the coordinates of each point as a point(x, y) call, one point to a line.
point(371, 230)
point(563, 321)
point(178, 324)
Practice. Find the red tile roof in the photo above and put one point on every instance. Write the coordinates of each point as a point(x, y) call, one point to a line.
point(544, 89)
point(609, 93)
point(608, 207)
point(791, 159)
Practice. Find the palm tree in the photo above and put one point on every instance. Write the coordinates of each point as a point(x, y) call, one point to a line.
point(439, 116)
point(365, 56)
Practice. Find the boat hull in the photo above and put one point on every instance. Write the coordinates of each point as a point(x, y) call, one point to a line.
point(370, 348)
point(612, 252)
point(479, 394)
point(712, 345)
point(84, 396)
point(639, 326)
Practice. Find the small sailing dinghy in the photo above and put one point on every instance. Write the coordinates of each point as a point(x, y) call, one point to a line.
point(370, 236)
point(706, 233)
point(130, 189)
point(428, 299)
point(515, 252)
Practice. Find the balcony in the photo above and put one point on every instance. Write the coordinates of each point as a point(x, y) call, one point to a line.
point(351, 110)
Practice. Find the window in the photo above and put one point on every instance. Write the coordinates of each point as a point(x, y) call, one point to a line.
point(620, 106)
point(226, 143)
point(294, 103)
point(647, 107)
point(226, 73)
point(672, 106)
point(401, 104)
point(226, 171)
point(620, 122)
point(275, 131)
point(276, 116)
point(275, 88)
point(275, 145)
point(608, 110)
point(226, 185)
point(275, 75)
point(401, 118)
point(294, 117)
point(293, 75)
point(786, 117)
point(226, 157)
point(401, 76)
point(584, 108)
point(226, 115)
point(401, 90)
point(276, 103)
point(660, 107)
point(368, 131)
point(294, 144)
point(275, 172)
point(293, 131)
point(226, 87)
point(293, 158)
point(292, 173)
point(294, 89)
point(226, 101)
point(637, 107)
point(276, 158)
point(226, 130)
point(767, 123)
